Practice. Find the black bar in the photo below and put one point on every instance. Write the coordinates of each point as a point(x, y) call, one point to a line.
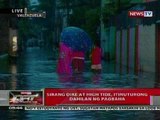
point(4, 107)
point(5, 11)
point(12, 108)
point(10, 11)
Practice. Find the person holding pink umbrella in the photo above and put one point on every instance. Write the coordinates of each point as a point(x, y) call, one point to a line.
point(65, 60)
point(73, 39)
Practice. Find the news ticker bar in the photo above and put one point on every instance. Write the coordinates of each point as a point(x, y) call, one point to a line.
point(82, 107)
point(61, 96)
point(94, 108)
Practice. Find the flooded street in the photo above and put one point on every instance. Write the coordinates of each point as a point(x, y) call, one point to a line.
point(35, 33)
point(35, 69)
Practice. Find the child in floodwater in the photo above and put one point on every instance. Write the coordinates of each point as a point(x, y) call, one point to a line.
point(65, 60)
point(96, 56)
point(78, 61)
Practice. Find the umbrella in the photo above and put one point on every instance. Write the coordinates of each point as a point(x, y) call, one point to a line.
point(76, 38)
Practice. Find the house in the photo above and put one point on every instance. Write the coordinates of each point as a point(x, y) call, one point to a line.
point(134, 42)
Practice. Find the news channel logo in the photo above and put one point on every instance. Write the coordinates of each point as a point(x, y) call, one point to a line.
point(140, 14)
point(26, 97)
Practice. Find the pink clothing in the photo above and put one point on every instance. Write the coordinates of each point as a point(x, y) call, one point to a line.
point(78, 55)
point(65, 60)
point(96, 56)
point(78, 61)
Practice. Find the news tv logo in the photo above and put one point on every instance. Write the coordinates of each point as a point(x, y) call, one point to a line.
point(140, 14)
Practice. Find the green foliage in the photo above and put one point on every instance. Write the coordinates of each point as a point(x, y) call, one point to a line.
point(113, 8)
point(123, 5)
point(46, 26)
point(108, 11)
point(80, 3)
point(92, 22)
point(25, 29)
point(78, 17)
point(48, 6)
point(16, 4)
point(2, 4)
point(86, 15)
point(45, 4)
point(22, 3)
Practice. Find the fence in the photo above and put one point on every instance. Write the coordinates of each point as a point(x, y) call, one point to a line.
point(132, 41)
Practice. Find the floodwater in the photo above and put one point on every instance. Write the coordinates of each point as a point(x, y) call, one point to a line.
point(35, 70)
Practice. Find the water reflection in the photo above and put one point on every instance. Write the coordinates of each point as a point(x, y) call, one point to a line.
point(2, 86)
point(96, 78)
point(13, 76)
point(72, 81)
point(36, 70)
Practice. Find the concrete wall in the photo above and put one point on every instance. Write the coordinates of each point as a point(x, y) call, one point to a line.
point(108, 41)
point(118, 44)
point(104, 40)
point(118, 49)
point(147, 48)
point(126, 44)
point(135, 47)
point(124, 51)
point(104, 33)
point(131, 57)
point(112, 40)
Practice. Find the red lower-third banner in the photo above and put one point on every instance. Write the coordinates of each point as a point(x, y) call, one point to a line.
point(101, 96)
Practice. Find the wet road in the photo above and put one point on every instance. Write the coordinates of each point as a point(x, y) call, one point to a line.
point(35, 70)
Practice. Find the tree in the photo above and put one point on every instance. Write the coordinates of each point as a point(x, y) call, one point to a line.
point(49, 7)
point(79, 8)
point(78, 17)
point(113, 8)
point(2, 5)
point(23, 24)
point(47, 24)
point(24, 27)
point(93, 22)
point(86, 15)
